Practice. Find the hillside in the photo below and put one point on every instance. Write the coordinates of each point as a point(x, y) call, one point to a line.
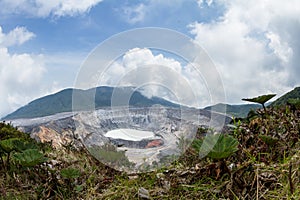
point(242, 110)
point(234, 110)
point(62, 101)
point(294, 94)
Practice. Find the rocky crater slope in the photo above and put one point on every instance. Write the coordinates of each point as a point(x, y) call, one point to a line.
point(170, 127)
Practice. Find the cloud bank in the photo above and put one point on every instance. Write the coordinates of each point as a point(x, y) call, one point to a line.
point(158, 75)
point(255, 45)
point(19, 73)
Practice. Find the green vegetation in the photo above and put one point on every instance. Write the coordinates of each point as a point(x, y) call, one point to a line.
point(257, 158)
point(62, 101)
point(37, 171)
point(30, 158)
point(109, 155)
point(218, 146)
point(294, 103)
point(233, 110)
point(283, 100)
point(70, 173)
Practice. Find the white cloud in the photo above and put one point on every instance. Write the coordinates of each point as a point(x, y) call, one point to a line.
point(148, 10)
point(209, 2)
point(15, 37)
point(134, 14)
point(19, 73)
point(158, 75)
point(41, 8)
point(280, 49)
point(255, 46)
point(202, 2)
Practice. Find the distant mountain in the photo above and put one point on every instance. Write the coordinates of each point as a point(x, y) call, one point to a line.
point(243, 109)
point(234, 110)
point(294, 94)
point(62, 101)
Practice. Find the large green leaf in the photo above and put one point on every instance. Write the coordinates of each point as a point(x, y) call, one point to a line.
point(30, 158)
point(261, 99)
point(9, 145)
point(219, 146)
point(197, 143)
point(21, 146)
point(16, 144)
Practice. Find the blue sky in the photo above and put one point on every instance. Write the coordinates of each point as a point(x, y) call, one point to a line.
point(83, 32)
point(255, 45)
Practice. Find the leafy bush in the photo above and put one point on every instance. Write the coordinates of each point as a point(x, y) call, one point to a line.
point(9, 145)
point(110, 155)
point(30, 158)
point(221, 146)
point(12, 141)
point(70, 173)
point(294, 104)
point(8, 131)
